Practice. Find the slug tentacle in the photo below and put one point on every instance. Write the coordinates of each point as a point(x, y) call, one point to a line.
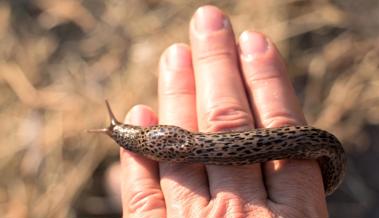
point(103, 130)
point(113, 122)
point(174, 144)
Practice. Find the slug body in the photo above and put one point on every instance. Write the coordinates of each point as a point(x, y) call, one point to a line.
point(174, 144)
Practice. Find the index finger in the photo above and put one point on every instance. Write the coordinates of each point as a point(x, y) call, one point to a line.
point(140, 190)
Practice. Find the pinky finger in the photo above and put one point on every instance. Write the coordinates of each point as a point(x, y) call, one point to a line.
point(140, 189)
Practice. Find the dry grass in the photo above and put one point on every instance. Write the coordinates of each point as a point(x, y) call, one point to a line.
point(60, 59)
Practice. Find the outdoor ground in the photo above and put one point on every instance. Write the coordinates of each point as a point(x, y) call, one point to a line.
point(59, 60)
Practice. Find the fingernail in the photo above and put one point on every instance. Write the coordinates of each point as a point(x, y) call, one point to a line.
point(178, 56)
point(209, 19)
point(131, 115)
point(139, 115)
point(252, 44)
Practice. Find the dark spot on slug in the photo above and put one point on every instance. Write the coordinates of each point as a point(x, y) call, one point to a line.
point(240, 148)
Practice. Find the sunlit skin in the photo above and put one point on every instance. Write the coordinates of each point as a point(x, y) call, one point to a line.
point(216, 84)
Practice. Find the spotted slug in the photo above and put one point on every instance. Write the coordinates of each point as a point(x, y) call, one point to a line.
point(175, 144)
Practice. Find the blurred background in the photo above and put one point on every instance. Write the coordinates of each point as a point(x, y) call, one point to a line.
point(59, 60)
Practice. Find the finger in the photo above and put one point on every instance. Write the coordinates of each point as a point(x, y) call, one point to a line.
point(275, 104)
point(222, 104)
point(141, 192)
point(184, 186)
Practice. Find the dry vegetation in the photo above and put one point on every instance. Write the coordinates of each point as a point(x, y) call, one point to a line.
point(60, 59)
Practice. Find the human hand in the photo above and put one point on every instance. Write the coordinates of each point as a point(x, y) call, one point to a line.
point(215, 85)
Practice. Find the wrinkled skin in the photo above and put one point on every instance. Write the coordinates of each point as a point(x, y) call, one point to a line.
point(218, 83)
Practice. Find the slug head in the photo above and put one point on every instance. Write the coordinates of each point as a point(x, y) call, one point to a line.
point(125, 135)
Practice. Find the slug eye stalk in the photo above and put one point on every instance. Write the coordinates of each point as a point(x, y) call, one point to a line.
point(113, 122)
point(103, 130)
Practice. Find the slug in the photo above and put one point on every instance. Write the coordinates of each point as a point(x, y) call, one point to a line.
point(175, 144)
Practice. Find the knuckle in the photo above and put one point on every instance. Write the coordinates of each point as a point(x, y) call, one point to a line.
point(175, 86)
point(233, 205)
point(227, 204)
point(279, 119)
point(227, 116)
point(263, 73)
point(145, 200)
point(214, 56)
point(178, 92)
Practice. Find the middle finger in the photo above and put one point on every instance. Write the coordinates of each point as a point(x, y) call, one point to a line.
point(221, 101)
